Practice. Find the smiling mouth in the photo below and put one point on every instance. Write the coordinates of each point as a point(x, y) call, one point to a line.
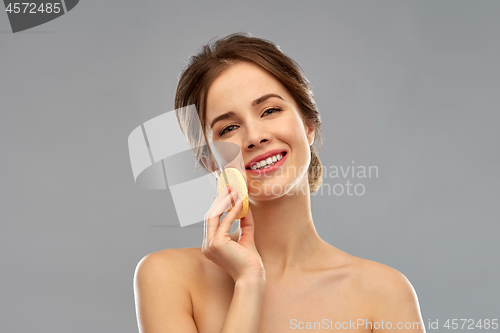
point(267, 163)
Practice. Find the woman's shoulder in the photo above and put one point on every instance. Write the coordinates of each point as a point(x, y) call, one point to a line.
point(179, 257)
point(174, 262)
point(386, 292)
point(162, 290)
point(368, 276)
point(182, 254)
point(382, 283)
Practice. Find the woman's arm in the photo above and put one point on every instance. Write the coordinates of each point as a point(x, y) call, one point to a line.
point(238, 256)
point(162, 300)
point(244, 312)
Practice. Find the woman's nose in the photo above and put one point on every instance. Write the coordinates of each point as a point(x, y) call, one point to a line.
point(256, 136)
point(252, 145)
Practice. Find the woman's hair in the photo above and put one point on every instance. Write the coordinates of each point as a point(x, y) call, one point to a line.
point(216, 56)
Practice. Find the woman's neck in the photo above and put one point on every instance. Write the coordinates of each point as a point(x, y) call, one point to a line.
point(285, 236)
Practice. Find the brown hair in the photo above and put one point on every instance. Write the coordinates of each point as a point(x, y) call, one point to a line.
point(218, 55)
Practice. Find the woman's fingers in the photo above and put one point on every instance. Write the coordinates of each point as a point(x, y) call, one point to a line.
point(247, 226)
point(239, 258)
point(212, 218)
point(226, 222)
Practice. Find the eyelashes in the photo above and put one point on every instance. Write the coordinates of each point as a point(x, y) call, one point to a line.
point(225, 129)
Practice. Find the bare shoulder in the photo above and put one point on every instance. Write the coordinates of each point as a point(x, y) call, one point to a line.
point(181, 255)
point(161, 290)
point(389, 294)
point(370, 278)
point(169, 261)
point(383, 282)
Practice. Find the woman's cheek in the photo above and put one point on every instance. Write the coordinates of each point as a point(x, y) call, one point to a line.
point(253, 188)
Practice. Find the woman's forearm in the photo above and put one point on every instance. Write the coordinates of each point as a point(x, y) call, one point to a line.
point(244, 312)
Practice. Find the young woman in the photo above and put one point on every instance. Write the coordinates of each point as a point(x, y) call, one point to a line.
point(274, 273)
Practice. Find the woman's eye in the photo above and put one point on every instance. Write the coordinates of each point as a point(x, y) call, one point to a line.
point(225, 130)
point(230, 128)
point(273, 109)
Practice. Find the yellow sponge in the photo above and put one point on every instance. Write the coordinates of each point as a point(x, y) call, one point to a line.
point(237, 182)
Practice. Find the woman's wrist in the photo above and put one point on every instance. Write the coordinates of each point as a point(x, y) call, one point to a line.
point(256, 281)
point(245, 309)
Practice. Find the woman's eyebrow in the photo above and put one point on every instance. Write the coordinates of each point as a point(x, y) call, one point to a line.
point(231, 114)
point(263, 98)
point(227, 115)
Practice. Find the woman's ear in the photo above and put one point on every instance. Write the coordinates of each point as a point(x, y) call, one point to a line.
point(310, 134)
point(205, 162)
point(209, 164)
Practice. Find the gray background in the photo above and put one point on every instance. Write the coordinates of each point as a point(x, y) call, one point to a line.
point(410, 87)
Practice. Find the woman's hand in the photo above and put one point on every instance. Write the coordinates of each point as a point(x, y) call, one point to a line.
point(237, 257)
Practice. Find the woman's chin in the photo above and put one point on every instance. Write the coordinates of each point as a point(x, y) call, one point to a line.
point(262, 198)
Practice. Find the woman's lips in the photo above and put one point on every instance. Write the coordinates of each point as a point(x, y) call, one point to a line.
point(275, 166)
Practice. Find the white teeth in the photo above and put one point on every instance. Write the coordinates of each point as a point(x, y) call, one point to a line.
point(267, 162)
point(266, 166)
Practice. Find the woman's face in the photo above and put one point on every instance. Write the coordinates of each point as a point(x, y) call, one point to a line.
point(263, 120)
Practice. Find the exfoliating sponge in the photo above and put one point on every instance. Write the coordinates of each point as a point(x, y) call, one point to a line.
point(237, 182)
